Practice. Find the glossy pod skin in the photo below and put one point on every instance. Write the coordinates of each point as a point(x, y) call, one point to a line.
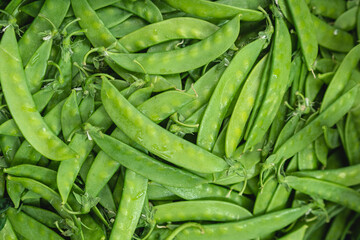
point(201, 53)
point(181, 153)
point(24, 112)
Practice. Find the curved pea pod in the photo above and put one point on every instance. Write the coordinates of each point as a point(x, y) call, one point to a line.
point(22, 106)
point(332, 38)
point(243, 107)
point(325, 65)
point(20, 220)
point(154, 138)
point(128, 26)
point(346, 176)
point(246, 229)
point(200, 53)
point(143, 164)
point(70, 116)
point(14, 190)
point(145, 9)
point(307, 158)
point(211, 192)
point(199, 210)
point(277, 83)
point(341, 78)
point(313, 129)
point(321, 150)
point(297, 234)
point(206, 9)
point(325, 190)
point(35, 69)
point(87, 107)
point(170, 29)
point(306, 32)
point(264, 197)
point(43, 216)
point(312, 87)
point(53, 10)
point(8, 232)
point(331, 137)
point(347, 20)
point(338, 225)
point(331, 9)
point(131, 205)
point(140, 96)
point(225, 91)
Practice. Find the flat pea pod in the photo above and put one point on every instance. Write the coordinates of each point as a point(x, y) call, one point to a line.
point(170, 29)
point(331, 37)
point(86, 107)
point(199, 210)
point(37, 231)
point(306, 33)
point(312, 87)
point(341, 77)
point(307, 158)
point(211, 192)
point(321, 150)
point(297, 234)
point(264, 197)
point(131, 205)
point(145, 9)
point(22, 106)
point(182, 152)
point(206, 9)
point(338, 225)
point(158, 192)
point(43, 216)
point(245, 229)
point(201, 53)
point(243, 107)
point(70, 116)
point(128, 26)
point(140, 95)
point(325, 65)
point(278, 82)
point(325, 190)
point(313, 130)
point(347, 20)
point(352, 139)
point(143, 164)
point(331, 9)
point(14, 190)
point(8, 233)
point(347, 176)
point(53, 10)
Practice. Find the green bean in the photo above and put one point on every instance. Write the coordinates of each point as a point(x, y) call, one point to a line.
point(205, 9)
point(278, 83)
point(325, 8)
point(205, 162)
point(332, 37)
point(131, 204)
point(34, 229)
point(174, 28)
point(205, 210)
point(159, 63)
point(24, 112)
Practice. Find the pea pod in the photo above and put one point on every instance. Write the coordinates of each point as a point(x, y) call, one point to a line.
point(145, 9)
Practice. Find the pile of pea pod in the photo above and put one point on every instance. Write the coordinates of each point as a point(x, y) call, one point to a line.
point(180, 119)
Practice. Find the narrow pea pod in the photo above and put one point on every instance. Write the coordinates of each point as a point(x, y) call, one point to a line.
point(352, 138)
point(278, 82)
point(305, 30)
point(53, 10)
point(245, 229)
point(131, 205)
point(297, 234)
point(8, 232)
point(22, 106)
point(154, 138)
point(331, 9)
point(70, 116)
point(325, 190)
point(46, 217)
point(201, 53)
point(206, 9)
point(170, 29)
point(145, 9)
point(347, 20)
point(143, 164)
point(37, 231)
point(243, 107)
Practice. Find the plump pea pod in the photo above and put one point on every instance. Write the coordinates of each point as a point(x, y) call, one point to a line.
point(20, 220)
point(46, 217)
point(53, 10)
point(332, 38)
point(331, 9)
point(7, 232)
point(325, 190)
point(143, 164)
point(229, 84)
point(140, 95)
point(145, 9)
point(213, 192)
point(313, 130)
point(35, 69)
point(307, 158)
point(199, 210)
point(128, 26)
point(312, 87)
point(87, 107)
point(245, 229)
point(22, 106)
point(206, 9)
point(347, 20)
point(306, 32)
point(131, 205)
point(170, 29)
point(297, 234)
point(264, 197)
point(201, 53)
point(154, 138)
point(243, 107)
point(278, 83)
point(347, 176)
point(70, 116)
point(341, 78)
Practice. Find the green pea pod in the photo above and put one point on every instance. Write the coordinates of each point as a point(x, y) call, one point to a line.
point(70, 116)
point(352, 139)
point(264, 197)
point(206, 9)
point(86, 107)
point(307, 158)
point(145, 9)
point(331, 9)
point(153, 137)
point(43, 216)
point(140, 96)
point(297, 234)
point(127, 27)
point(201, 53)
point(347, 20)
point(14, 190)
point(18, 97)
point(8, 232)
